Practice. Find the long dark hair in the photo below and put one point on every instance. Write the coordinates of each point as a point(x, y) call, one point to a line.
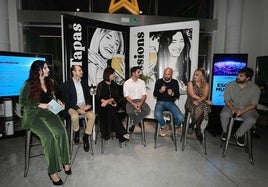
point(183, 61)
point(35, 85)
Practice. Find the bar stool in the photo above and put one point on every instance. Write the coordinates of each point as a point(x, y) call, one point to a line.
point(84, 122)
point(102, 143)
point(248, 142)
point(185, 128)
point(130, 122)
point(102, 140)
point(170, 118)
point(28, 147)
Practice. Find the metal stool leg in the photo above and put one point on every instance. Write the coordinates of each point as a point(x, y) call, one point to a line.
point(205, 141)
point(248, 141)
point(143, 133)
point(28, 155)
point(130, 123)
point(185, 130)
point(68, 126)
point(157, 129)
point(102, 145)
point(91, 144)
point(27, 152)
point(249, 145)
point(71, 140)
point(229, 131)
point(173, 129)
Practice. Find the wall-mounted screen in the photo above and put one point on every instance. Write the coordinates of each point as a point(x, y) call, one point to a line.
point(224, 70)
point(14, 70)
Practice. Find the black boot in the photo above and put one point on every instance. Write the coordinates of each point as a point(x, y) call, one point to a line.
point(86, 142)
point(76, 137)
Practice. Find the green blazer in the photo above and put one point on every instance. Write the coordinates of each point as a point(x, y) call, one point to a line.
point(30, 109)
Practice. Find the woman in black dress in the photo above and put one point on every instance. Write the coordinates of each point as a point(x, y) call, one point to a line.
point(108, 95)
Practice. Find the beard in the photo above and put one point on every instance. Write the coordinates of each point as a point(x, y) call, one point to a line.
point(167, 79)
point(240, 81)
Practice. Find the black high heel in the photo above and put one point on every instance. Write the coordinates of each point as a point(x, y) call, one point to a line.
point(56, 183)
point(67, 172)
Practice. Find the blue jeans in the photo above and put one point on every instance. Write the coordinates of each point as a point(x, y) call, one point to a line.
point(162, 106)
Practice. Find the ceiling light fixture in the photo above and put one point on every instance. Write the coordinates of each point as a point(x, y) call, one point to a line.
point(130, 5)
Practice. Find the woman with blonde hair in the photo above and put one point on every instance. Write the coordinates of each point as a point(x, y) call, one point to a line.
point(197, 103)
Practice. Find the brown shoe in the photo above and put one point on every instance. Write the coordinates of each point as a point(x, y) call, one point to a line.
point(164, 130)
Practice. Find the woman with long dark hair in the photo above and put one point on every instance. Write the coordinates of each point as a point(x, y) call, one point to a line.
point(35, 95)
point(174, 52)
point(108, 95)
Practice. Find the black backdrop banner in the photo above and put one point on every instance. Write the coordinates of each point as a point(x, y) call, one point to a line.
point(94, 45)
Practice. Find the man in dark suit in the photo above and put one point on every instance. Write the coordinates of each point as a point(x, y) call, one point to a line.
point(75, 93)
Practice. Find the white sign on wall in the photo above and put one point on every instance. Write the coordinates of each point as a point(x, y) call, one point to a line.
point(155, 47)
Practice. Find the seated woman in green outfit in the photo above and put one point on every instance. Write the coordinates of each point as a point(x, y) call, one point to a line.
point(35, 95)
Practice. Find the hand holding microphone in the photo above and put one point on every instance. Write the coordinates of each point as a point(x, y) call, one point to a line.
point(163, 88)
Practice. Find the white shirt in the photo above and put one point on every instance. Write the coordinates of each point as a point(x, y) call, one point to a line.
point(79, 92)
point(134, 89)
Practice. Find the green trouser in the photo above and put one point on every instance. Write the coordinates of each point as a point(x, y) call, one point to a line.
point(54, 139)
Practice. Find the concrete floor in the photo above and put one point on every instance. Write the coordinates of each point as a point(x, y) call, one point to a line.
point(137, 166)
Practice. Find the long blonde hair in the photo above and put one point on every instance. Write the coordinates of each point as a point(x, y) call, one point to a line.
point(203, 78)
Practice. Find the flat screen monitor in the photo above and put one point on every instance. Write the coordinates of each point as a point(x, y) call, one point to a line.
point(14, 70)
point(261, 77)
point(224, 70)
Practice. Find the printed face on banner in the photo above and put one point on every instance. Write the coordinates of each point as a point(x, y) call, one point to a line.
point(170, 49)
point(156, 47)
point(106, 48)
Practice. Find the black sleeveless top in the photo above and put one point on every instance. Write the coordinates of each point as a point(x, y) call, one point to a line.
point(45, 97)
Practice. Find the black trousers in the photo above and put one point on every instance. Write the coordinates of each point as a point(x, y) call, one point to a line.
point(110, 121)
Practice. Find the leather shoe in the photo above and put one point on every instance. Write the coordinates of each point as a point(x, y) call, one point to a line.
point(86, 143)
point(76, 137)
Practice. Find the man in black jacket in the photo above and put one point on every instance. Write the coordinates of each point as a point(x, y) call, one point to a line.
point(75, 93)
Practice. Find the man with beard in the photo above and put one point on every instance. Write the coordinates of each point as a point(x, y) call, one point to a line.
point(135, 93)
point(166, 91)
point(241, 98)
